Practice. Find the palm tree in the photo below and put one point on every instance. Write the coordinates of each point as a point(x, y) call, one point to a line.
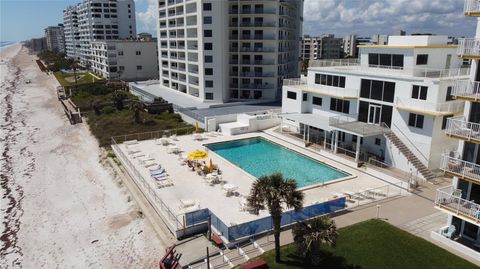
point(310, 235)
point(273, 193)
point(136, 107)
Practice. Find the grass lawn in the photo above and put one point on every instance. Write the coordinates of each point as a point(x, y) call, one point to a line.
point(67, 79)
point(115, 123)
point(375, 244)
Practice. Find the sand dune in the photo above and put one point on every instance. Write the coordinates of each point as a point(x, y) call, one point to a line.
point(61, 207)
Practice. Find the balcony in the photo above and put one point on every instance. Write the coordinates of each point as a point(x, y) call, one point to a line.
point(466, 90)
point(458, 127)
point(469, 48)
point(472, 8)
point(342, 93)
point(254, 74)
point(429, 108)
point(460, 168)
point(452, 204)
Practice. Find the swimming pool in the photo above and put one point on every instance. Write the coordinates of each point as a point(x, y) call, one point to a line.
point(259, 157)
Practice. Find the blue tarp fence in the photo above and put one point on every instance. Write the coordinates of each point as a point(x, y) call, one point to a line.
point(264, 224)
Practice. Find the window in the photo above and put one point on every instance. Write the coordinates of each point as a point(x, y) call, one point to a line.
point(208, 46)
point(419, 92)
point(209, 83)
point(330, 80)
point(120, 53)
point(378, 141)
point(305, 97)
point(339, 105)
point(208, 58)
point(415, 120)
point(292, 95)
point(209, 95)
point(207, 6)
point(121, 68)
point(257, 94)
point(422, 59)
point(377, 90)
point(317, 101)
point(444, 121)
point(138, 52)
point(449, 94)
point(207, 33)
point(139, 67)
point(386, 60)
point(208, 71)
point(207, 20)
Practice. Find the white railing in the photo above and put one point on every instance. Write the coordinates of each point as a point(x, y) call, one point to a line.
point(471, 6)
point(294, 81)
point(321, 89)
point(437, 108)
point(466, 88)
point(468, 47)
point(337, 62)
point(355, 66)
point(460, 167)
point(458, 126)
point(457, 205)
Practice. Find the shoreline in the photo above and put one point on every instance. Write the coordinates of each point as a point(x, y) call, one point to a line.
point(66, 208)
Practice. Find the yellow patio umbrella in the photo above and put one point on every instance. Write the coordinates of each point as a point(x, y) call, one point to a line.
point(211, 166)
point(197, 155)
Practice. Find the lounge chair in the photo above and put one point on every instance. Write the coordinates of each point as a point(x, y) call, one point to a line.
point(138, 155)
point(131, 142)
point(449, 231)
point(157, 172)
point(174, 137)
point(197, 137)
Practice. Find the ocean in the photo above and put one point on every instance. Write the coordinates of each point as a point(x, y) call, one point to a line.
point(4, 44)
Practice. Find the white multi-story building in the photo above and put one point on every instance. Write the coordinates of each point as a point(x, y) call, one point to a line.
point(96, 20)
point(462, 200)
point(391, 106)
point(350, 46)
point(220, 51)
point(71, 34)
point(129, 60)
point(55, 38)
point(322, 47)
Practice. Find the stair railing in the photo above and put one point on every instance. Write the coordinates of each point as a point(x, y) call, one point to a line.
point(405, 138)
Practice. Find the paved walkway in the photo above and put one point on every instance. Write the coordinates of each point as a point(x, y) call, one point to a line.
point(406, 212)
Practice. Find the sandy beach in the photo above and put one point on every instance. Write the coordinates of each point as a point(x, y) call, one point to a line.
point(61, 207)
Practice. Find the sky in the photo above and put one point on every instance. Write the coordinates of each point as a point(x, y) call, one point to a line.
point(24, 19)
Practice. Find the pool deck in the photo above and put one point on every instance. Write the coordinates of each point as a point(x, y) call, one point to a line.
point(187, 185)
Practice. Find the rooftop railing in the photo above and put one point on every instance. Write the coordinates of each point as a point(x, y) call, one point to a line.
point(321, 89)
point(463, 129)
point(446, 199)
point(353, 65)
point(445, 108)
point(468, 47)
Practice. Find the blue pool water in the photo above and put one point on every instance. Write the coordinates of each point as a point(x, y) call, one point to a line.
point(260, 157)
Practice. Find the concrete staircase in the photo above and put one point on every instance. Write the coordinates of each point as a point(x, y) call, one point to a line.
point(412, 158)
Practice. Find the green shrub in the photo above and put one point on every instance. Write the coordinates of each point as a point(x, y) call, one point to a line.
point(108, 110)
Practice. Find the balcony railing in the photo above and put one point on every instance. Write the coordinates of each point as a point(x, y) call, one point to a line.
point(353, 65)
point(463, 129)
point(344, 93)
point(466, 89)
point(460, 168)
point(472, 8)
point(445, 199)
point(435, 109)
point(469, 48)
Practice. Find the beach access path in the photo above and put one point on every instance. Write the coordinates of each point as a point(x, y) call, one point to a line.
point(61, 207)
